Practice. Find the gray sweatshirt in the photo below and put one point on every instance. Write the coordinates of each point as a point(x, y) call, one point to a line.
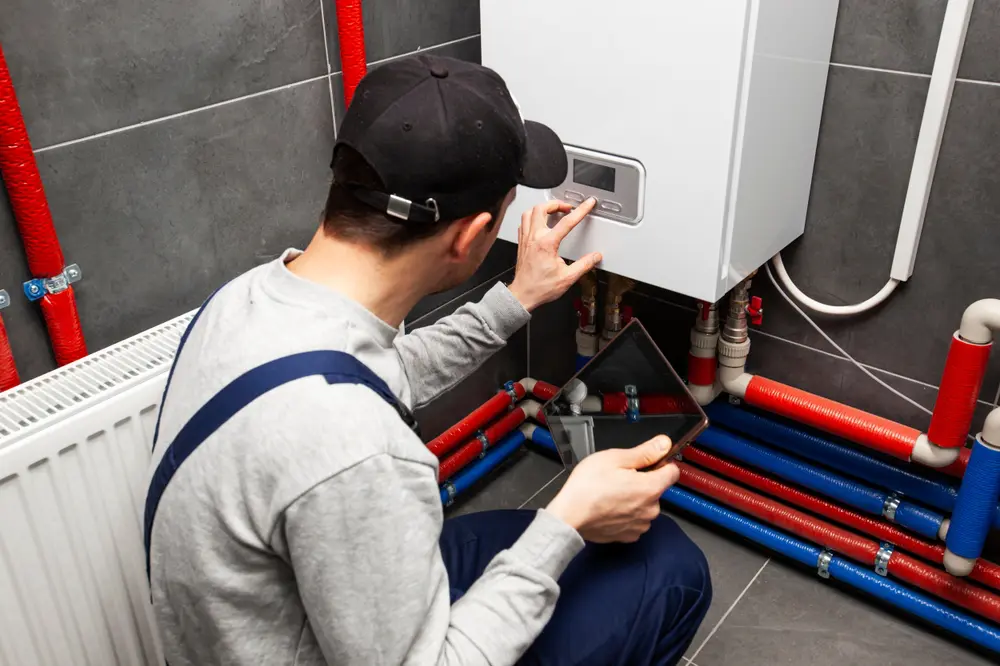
point(305, 531)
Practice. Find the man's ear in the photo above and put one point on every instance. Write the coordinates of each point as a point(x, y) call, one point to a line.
point(467, 231)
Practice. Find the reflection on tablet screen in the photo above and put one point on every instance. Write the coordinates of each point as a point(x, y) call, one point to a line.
point(624, 396)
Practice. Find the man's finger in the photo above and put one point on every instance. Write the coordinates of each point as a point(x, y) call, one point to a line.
point(663, 478)
point(646, 454)
point(582, 266)
point(568, 223)
point(540, 213)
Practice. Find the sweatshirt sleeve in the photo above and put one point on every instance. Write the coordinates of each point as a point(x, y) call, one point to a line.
point(439, 356)
point(364, 549)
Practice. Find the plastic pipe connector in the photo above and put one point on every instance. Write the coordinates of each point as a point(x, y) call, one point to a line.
point(980, 320)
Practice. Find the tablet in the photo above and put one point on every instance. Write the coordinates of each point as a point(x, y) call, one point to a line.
point(627, 394)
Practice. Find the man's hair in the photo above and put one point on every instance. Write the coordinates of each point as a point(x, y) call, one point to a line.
point(348, 219)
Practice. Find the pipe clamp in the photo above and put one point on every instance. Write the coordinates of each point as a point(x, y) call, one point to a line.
point(823, 564)
point(882, 559)
point(39, 287)
point(511, 391)
point(4, 299)
point(450, 489)
point(631, 403)
point(891, 506)
point(484, 440)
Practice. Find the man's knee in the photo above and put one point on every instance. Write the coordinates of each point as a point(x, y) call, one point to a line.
point(674, 560)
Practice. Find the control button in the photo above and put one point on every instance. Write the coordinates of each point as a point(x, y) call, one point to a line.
point(611, 206)
point(574, 196)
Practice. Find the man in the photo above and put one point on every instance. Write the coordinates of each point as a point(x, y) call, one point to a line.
point(294, 515)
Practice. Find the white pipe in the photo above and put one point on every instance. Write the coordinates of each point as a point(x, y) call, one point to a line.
point(931, 455)
point(979, 321)
point(991, 430)
point(531, 408)
point(528, 383)
point(734, 381)
point(939, 94)
point(823, 308)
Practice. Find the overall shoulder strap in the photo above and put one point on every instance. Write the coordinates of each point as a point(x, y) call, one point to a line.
point(335, 366)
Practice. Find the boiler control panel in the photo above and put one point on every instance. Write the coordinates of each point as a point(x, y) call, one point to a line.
point(618, 184)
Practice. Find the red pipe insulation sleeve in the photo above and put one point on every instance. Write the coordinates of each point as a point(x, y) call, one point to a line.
point(944, 585)
point(8, 371)
point(63, 323)
point(544, 391)
point(910, 570)
point(616, 403)
point(471, 450)
point(833, 417)
point(985, 572)
point(24, 185)
point(956, 399)
point(467, 427)
point(701, 371)
point(351, 31)
point(779, 515)
point(34, 222)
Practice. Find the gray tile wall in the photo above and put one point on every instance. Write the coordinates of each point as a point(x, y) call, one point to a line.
point(182, 143)
point(883, 54)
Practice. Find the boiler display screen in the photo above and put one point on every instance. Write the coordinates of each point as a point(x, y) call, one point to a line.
point(594, 175)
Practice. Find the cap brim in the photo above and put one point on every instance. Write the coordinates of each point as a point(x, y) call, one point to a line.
point(545, 163)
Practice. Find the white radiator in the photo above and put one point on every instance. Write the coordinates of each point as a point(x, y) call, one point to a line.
point(74, 451)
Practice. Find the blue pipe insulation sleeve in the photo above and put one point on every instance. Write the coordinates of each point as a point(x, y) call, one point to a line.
point(977, 499)
point(850, 574)
point(792, 548)
point(918, 519)
point(581, 361)
point(543, 438)
point(477, 470)
point(924, 607)
point(850, 461)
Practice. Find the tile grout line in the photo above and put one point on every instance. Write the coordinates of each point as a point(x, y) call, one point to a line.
point(729, 610)
point(880, 70)
point(329, 73)
point(179, 114)
point(537, 492)
point(495, 278)
point(173, 116)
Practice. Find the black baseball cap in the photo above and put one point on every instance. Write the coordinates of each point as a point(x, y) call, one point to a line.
point(445, 138)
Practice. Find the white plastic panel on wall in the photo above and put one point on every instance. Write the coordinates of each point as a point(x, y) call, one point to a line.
point(72, 565)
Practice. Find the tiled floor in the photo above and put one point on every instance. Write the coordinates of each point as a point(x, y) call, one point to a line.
point(764, 612)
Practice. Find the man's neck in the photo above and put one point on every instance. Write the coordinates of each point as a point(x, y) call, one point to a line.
point(386, 287)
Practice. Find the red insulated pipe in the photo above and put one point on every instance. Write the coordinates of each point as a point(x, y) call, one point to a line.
point(8, 371)
point(34, 222)
point(615, 403)
point(836, 418)
point(956, 399)
point(779, 515)
point(471, 450)
point(467, 427)
point(908, 569)
point(544, 391)
point(351, 31)
point(701, 371)
point(944, 585)
point(985, 572)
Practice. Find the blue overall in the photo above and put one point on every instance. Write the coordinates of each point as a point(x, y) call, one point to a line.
point(639, 604)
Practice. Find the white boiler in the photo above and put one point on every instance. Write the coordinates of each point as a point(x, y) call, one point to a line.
point(694, 123)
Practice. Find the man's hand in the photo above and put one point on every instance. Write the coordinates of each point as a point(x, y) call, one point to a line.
point(541, 275)
point(607, 498)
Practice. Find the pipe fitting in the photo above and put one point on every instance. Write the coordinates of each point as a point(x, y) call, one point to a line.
point(4, 299)
point(929, 454)
point(980, 320)
point(736, 329)
point(733, 376)
point(707, 320)
point(990, 435)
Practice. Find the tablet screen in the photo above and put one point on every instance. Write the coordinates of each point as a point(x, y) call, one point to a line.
point(627, 394)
